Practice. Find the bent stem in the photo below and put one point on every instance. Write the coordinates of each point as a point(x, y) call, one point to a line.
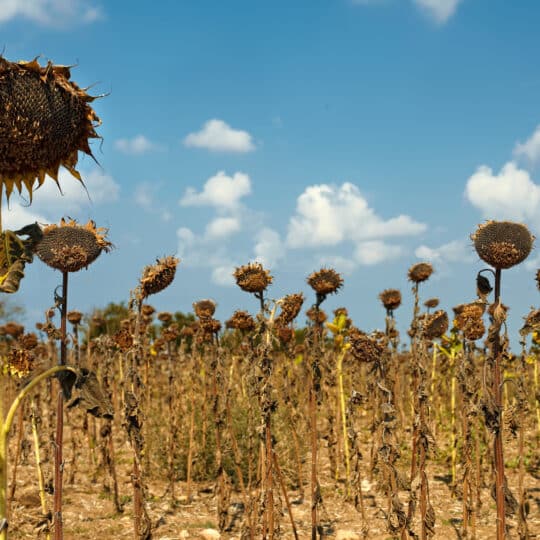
point(5, 426)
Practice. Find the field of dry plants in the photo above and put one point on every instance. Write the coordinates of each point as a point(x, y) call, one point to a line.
point(286, 422)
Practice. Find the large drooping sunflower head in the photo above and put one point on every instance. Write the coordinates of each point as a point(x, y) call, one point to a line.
point(70, 247)
point(158, 276)
point(502, 244)
point(45, 119)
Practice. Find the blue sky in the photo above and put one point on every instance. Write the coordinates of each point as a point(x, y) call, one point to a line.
point(360, 134)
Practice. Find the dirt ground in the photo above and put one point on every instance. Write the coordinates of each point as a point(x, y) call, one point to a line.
point(89, 511)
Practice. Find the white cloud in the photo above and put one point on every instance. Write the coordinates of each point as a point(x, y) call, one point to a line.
point(49, 205)
point(222, 227)
point(439, 10)
point(144, 196)
point(221, 191)
point(137, 145)
point(223, 275)
point(530, 149)
point(269, 248)
point(329, 215)
point(16, 216)
point(375, 252)
point(217, 135)
point(454, 251)
point(50, 12)
point(511, 194)
point(186, 239)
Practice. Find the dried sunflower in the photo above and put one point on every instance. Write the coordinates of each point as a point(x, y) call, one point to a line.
point(318, 316)
point(290, 308)
point(420, 272)
point(436, 324)
point(204, 309)
point(502, 244)
point(20, 362)
point(158, 276)
point(45, 120)
point(431, 303)
point(252, 277)
point(325, 281)
point(241, 320)
point(391, 299)
point(363, 347)
point(70, 247)
point(74, 317)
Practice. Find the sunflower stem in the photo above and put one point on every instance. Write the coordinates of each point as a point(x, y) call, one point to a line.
point(59, 440)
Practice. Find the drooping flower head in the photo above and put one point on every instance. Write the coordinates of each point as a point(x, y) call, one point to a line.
point(158, 276)
point(70, 247)
point(502, 244)
point(45, 120)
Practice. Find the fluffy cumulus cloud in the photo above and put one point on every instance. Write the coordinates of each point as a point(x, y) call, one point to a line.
point(220, 191)
point(144, 197)
point(376, 252)
point(510, 194)
point(137, 145)
point(216, 135)
point(269, 248)
point(223, 275)
point(16, 216)
point(530, 149)
point(328, 215)
point(50, 12)
point(49, 203)
point(438, 10)
point(222, 227)
point(454, 251)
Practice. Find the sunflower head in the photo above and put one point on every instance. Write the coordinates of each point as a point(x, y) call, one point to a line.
point(391, 299)
point(436, 324)
point(468, 319)
point(502, 244)
point(29, 341)
point(70, 247)
point(158, 276)
point(204, 309)
point(74, 317)
point(316, 315)
point(290, 308)
point(431, 303)
point(241, 320)
point(363, 347)
point(170, 333)
point(325, 281)
point(285, 334)
point(13, 329)
point(252, 277)
point(45, 120)
point(20, 362)
point(165, 317)
point(147, 310)
point(123, 339)
point(420, 272)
